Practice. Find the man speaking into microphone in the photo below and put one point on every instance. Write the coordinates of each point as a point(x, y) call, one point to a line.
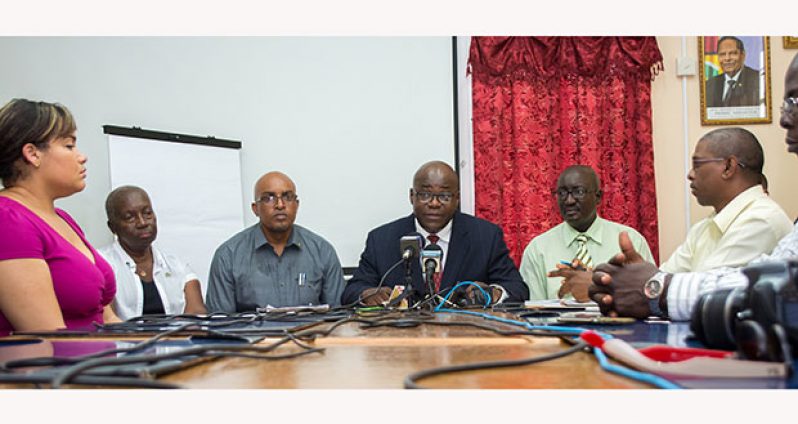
point(472, 249)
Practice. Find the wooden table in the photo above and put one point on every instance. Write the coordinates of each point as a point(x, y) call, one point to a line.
point(360, 358)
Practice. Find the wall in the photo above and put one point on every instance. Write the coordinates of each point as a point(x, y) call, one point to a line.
point(276, 92)
point(670, 127)
point(349, 119)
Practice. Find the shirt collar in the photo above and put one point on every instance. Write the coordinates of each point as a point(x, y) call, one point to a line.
point(595, 232)
point(734, 77)
point(445, 233)
point(294, 239)
point(158, 261)
point(726, 216)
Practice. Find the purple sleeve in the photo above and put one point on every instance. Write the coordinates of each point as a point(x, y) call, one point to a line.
point(21, 239)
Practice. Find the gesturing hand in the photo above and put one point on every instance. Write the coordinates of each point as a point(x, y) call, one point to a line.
point(628, 253)
point(618, 289)
point(618, 285)
point(576, 280)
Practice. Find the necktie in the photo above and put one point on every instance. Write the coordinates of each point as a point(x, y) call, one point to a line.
point(727, 97)
point(581, 251)
point(433, 238)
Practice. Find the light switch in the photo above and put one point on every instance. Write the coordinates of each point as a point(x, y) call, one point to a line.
point(685, 66)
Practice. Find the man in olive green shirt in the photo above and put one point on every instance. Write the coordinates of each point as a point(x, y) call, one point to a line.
point(583, 239)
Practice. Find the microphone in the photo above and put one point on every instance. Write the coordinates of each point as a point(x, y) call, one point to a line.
point(431, 258)
point(410, 245)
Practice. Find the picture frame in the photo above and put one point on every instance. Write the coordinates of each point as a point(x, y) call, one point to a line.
point(744, 98)
point(790, 42)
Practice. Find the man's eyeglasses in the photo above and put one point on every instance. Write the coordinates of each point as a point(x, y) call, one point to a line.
point(698, 162)
point(789, 105)
point(426, 197)
point(578, 193)
point(271, 198)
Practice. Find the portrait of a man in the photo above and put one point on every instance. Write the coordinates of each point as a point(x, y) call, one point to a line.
point(735, 80)
point(738, 84)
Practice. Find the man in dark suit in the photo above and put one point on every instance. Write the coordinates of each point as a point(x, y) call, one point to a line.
point(473, 249)
point(738, 85)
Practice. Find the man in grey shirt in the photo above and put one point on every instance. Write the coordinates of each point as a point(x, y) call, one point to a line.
point(274, 262)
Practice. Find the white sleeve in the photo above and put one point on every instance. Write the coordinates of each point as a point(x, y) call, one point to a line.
point(685, 288)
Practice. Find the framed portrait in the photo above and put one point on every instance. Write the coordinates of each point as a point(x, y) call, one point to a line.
point(735, 80)
point(790, 42)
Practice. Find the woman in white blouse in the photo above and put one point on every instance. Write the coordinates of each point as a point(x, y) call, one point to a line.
point(148, 280)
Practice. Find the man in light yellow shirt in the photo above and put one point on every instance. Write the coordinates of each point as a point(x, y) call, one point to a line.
point(727, 175)
point(583, 236)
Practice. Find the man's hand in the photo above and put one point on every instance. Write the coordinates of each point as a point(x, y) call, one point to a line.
point(618, 285)
point(628, 253)
point(470, 295)
point(576, 280)
point(375, 296)
point(618, 289)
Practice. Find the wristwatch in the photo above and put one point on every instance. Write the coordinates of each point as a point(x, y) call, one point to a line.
point(653, 290)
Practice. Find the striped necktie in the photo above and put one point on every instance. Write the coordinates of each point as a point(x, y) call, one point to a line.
point(581, 252)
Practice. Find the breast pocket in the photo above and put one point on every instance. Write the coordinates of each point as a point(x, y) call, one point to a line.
point(310, 285)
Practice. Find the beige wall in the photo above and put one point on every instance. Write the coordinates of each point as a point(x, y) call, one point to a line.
point(669, 125)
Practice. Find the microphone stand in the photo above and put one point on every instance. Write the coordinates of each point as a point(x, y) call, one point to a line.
point(429, 276)
point(408, 278)
point(408, 282)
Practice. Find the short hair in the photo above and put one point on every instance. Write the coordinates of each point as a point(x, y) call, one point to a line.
point(738, 142)
point(583, 168)
point(24, 121)
point(114, 196)
point(740, 45)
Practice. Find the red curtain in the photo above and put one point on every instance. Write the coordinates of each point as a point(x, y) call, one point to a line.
point(542, 104)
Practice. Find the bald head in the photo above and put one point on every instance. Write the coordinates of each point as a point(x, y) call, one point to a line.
point(740, 143)
point(117, 197)
point(438, 170)
point(274, 178)
point(586, 172)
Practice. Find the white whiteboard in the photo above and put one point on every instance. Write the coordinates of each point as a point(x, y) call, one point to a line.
point(195, 191)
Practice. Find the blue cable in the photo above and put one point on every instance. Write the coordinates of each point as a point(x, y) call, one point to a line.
point(465, 283)
point(574, 330)
point(652, 379)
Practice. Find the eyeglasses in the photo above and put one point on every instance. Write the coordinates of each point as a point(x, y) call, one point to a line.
point(789, 105)
point(578, 193)
point(426, 197)
point(272, 198)
point(698, 162)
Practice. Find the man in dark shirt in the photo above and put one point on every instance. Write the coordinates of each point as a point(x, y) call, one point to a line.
point(473, 249)
point(738, 85)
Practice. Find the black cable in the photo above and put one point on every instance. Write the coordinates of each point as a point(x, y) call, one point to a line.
point(499, 331)
point(68, 374)
point(410, 380)
point(57, 360)
point(360, 299)
point(89, 380)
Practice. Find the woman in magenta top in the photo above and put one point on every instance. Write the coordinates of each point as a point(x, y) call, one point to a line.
point(50, 276)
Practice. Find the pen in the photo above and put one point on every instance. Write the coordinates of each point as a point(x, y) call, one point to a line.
point(568, 263)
